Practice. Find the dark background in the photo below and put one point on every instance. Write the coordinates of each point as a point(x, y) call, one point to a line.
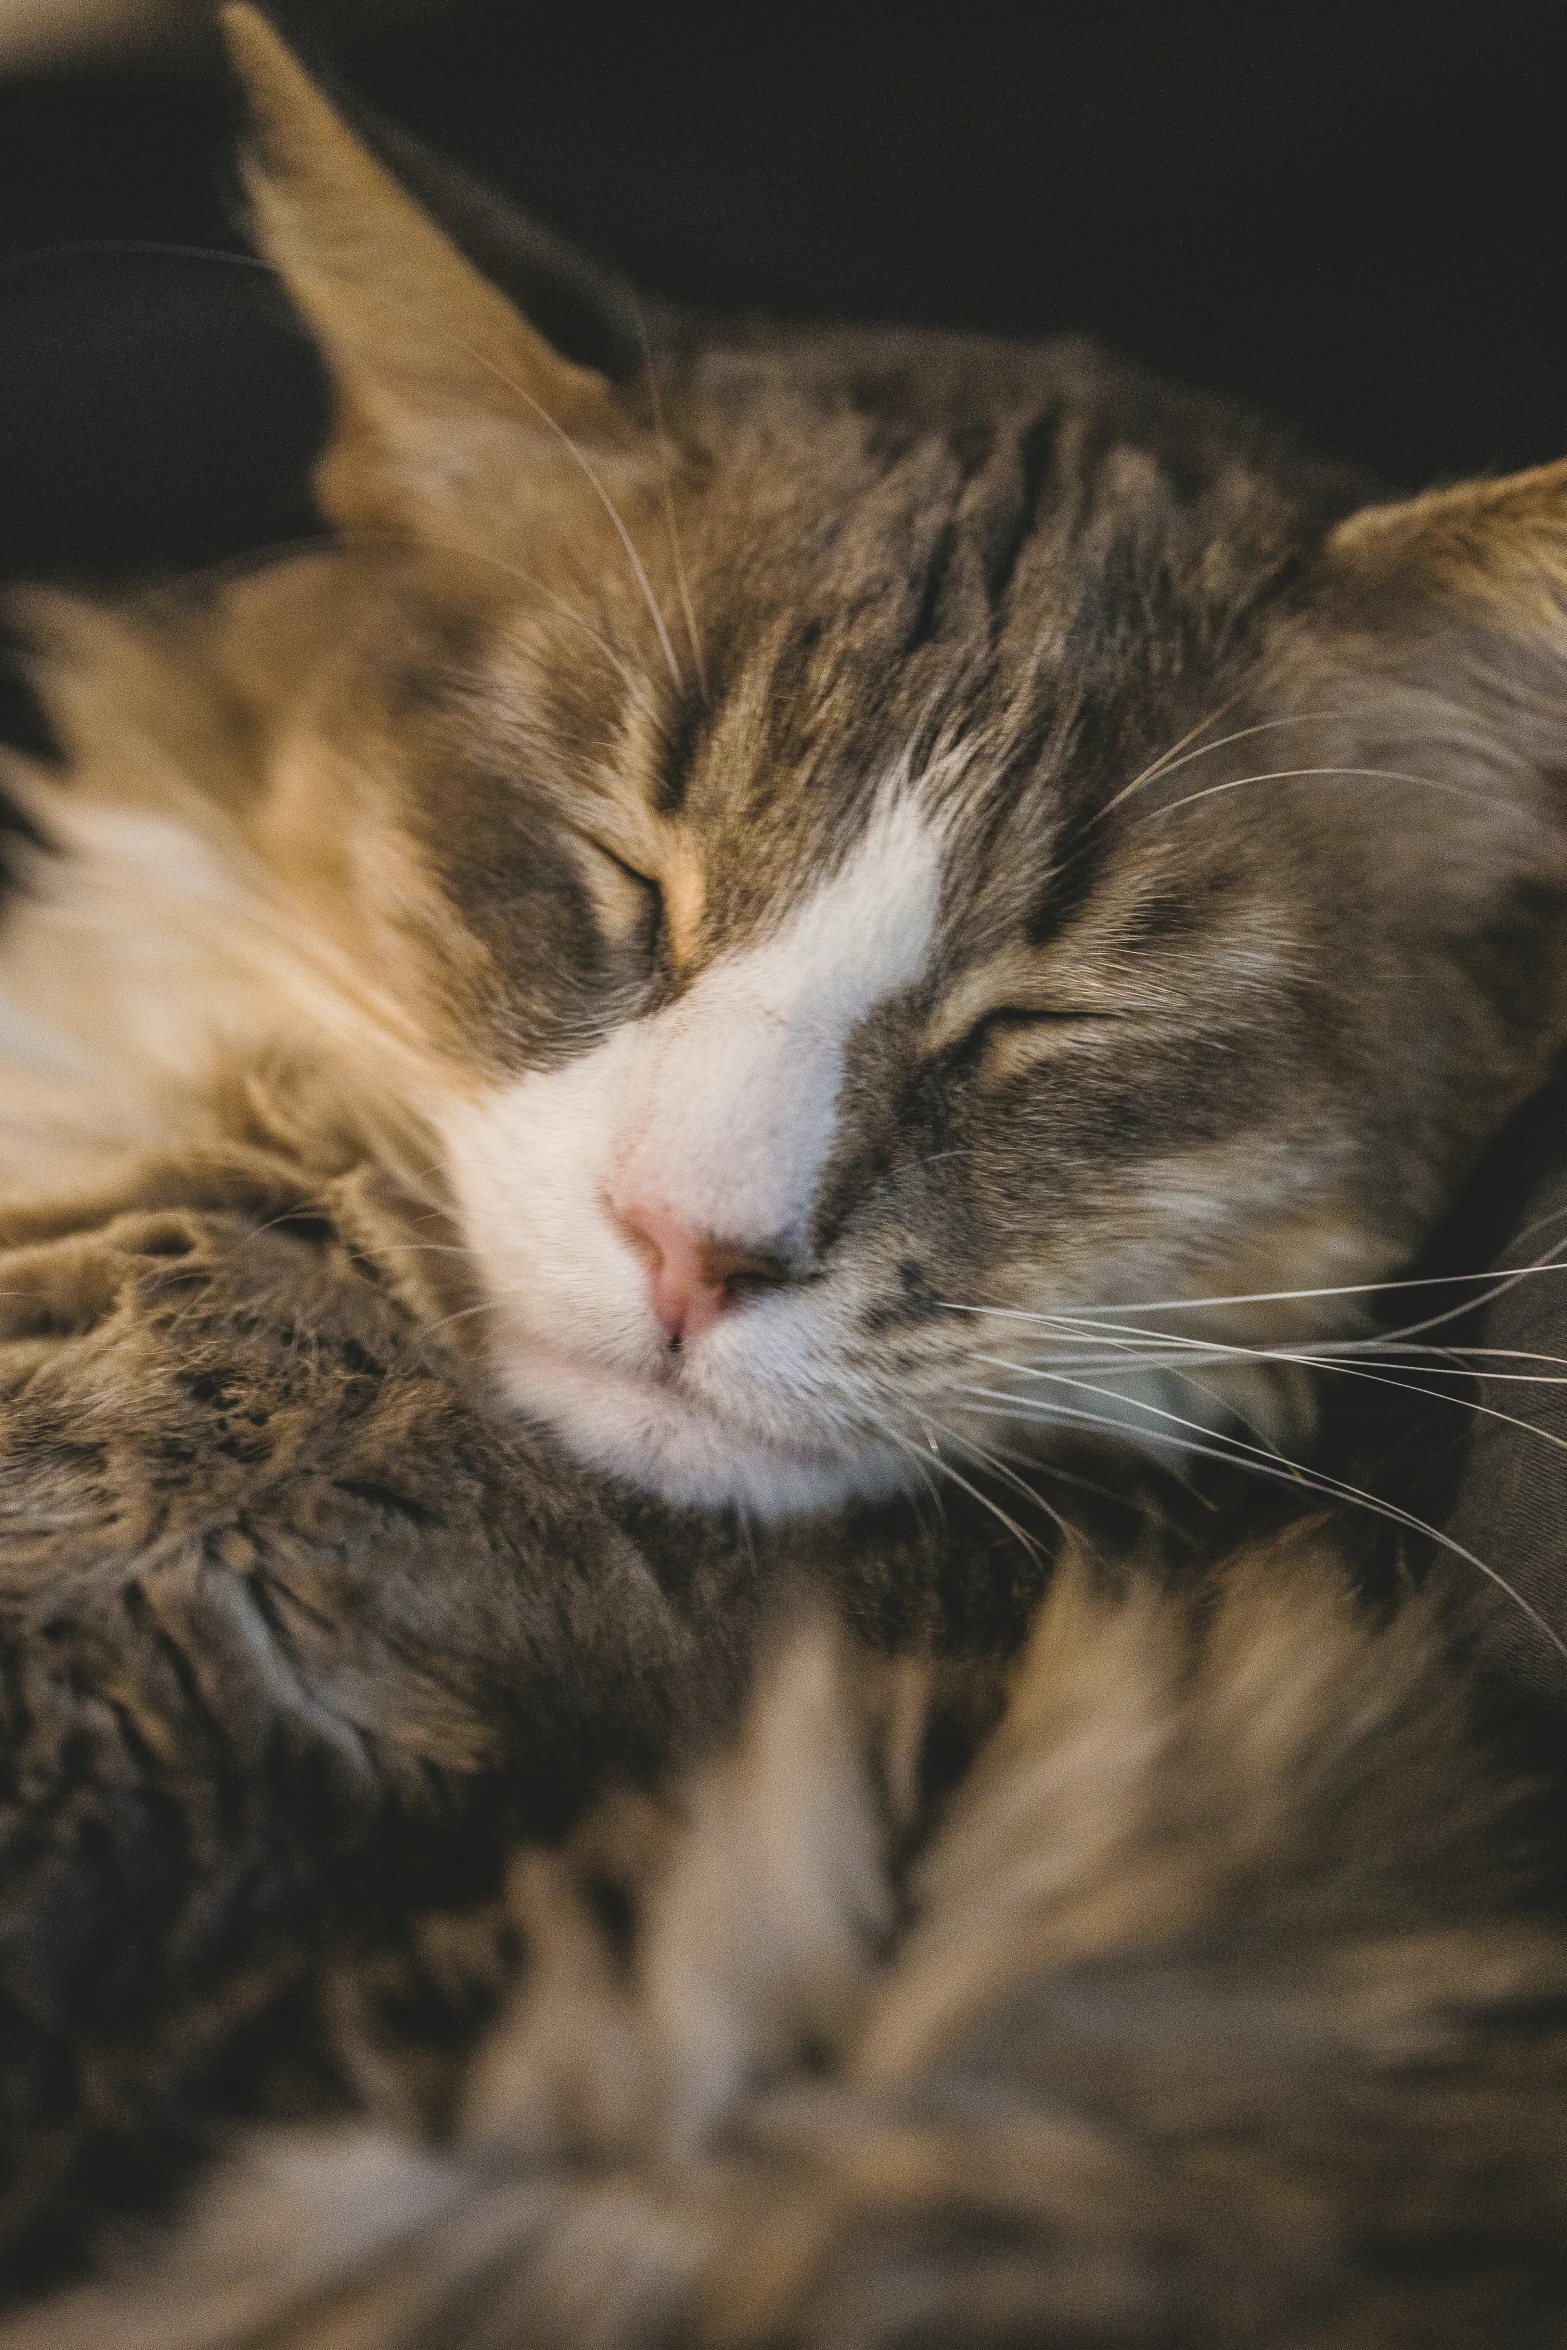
point(1351, 213)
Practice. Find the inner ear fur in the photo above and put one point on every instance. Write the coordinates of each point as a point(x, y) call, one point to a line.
point(1462, 594)
point(1429, 670)
point(447, 400)
point(1423, 678)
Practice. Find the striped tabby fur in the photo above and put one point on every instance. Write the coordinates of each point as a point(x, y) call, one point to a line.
point(1212, 2009)
point(644, 1104)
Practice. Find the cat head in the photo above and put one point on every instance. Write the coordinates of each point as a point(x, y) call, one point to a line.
point(908, 860)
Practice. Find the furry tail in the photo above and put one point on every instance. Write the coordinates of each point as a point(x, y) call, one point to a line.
point(1219, 2004)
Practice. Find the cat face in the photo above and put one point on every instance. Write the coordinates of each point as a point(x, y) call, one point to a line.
point(906, 1006)
point(908, 861)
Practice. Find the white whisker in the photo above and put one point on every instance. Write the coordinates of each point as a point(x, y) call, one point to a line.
point(1461, 791)
point(604, 498)
point(1175, 1363)
point(1170, 764)
point(1277, 1465)
point(488, 1305)
point(998, 1466)
point(973, 1491)
point(666, 460)
point(537, 586)
point(1263, 1297)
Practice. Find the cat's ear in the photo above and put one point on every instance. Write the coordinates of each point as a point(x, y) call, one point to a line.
point(447, 400)
point(1461, 595)
point(1432, 666)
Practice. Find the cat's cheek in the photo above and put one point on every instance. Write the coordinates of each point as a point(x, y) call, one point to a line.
point(528, 1166)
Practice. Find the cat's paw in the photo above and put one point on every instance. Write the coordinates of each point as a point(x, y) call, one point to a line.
point(67, 1286)
point(67, 1266)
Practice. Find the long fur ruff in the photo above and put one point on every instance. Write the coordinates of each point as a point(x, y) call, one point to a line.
point(148, 952)
point(1211, 2009)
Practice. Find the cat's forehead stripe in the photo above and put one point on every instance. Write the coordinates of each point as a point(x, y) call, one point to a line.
point(683, 888)
point(843, 887)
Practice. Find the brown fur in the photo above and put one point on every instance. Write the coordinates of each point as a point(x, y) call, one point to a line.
point(1202, 2024)
point(604, 679)
point(383, 1761)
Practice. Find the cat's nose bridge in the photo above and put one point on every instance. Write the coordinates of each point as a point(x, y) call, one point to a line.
point(728, 1099)
point(726, 1123)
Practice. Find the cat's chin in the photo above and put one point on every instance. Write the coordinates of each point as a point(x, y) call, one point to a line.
point(669, 1444)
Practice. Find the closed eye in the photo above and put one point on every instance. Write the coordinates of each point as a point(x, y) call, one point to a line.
point(1001, 1023)
point(630, 902)
point(1013, 995)
point(1001, 1016)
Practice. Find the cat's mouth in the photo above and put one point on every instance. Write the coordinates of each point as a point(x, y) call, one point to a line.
point(669, 1426)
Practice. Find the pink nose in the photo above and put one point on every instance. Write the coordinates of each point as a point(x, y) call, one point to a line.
point(692, 1277)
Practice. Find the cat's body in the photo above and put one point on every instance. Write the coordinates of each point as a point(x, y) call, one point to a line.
point(1217, 2010)
point(852, 911)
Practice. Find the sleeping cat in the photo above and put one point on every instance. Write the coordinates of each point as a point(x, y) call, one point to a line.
point(849, 921)
point(848, 826)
